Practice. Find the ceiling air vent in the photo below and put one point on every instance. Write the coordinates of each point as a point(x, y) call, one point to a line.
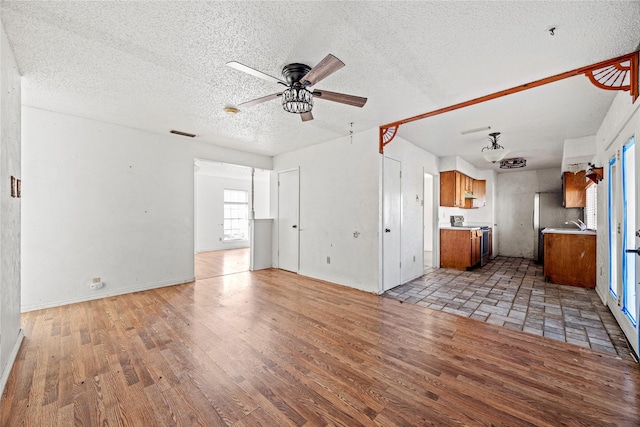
point(177, 132)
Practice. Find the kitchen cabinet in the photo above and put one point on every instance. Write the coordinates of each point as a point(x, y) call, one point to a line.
point(570, 259)
point(479, 195)
point(460, 249)
point(468, 184)
point(454, 186)
point(452, 189)
point(574, 190)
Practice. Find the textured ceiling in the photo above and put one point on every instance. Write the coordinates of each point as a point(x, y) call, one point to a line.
point(161, 66)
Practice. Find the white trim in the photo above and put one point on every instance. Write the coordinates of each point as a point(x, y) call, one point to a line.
point(130, 290)
point(12, 358)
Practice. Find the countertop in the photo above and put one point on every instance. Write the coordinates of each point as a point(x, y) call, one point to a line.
point(569, 231)
point(464, 227)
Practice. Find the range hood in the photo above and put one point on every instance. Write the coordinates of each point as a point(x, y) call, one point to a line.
point(468, 195)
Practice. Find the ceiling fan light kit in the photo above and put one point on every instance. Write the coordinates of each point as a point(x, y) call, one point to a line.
point(514, 163)
point(297, 98)
point(494, 151)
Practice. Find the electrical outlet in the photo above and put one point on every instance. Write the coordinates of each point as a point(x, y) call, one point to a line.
point(96, 283)
point(328, 260)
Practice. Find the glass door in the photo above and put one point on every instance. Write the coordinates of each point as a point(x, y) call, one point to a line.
point(624, 239)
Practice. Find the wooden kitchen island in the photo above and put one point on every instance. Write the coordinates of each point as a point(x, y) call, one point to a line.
point(570, 257)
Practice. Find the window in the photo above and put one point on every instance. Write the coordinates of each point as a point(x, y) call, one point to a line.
point(236, 215)
point(591, 210)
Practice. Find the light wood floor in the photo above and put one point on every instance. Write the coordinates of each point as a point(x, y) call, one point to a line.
point(219, 263)
point(274, 348)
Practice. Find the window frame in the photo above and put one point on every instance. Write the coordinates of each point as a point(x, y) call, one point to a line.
point(242, 217)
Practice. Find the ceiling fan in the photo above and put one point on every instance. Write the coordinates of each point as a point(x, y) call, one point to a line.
point(298, 98)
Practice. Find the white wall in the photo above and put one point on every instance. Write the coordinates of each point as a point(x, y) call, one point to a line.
point(103, 200)
point(578, 150)
point(514, 208)
point(10, 332)
point(210, 211)
point(262, 193)
point(415, 162)
point(339, 196)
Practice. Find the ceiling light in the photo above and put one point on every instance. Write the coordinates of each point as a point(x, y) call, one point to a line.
point(494, 151)
point(468, 131)
point(297, 99)
point(514, 163)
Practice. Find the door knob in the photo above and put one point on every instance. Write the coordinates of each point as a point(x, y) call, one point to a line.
point(636, 251)
point(295, 226)
point(387, 230)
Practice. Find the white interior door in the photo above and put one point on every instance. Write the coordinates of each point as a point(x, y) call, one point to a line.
point(391, 219)
point(624, 238)
point(288, 220)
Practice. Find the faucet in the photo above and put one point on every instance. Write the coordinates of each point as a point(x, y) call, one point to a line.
point(581, 225)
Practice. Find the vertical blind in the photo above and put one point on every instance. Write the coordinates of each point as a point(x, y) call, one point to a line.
point(591, 210)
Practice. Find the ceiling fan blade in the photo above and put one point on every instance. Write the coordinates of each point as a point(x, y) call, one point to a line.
point(259, 100)
point(245, 69)
point(356, 101)
point(306, 116)
point(329, 65)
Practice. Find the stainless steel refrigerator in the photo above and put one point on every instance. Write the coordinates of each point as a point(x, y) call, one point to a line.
point(548, 212)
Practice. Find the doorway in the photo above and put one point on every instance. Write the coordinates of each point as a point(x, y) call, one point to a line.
point(624, 238)
point(428, 205)
point(226, 198)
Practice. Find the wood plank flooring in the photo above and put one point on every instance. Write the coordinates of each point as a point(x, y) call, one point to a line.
point(219, 263)
point(273, 348)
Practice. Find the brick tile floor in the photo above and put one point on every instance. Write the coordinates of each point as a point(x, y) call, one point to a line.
point(512, 292)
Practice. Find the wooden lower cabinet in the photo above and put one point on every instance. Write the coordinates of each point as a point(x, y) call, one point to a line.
point(570, 259)
point(460, 249)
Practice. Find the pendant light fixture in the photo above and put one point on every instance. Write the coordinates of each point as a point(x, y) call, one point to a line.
point(494, 151)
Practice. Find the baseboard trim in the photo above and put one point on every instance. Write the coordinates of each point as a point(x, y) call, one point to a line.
point(12, 358)
point(148, 286)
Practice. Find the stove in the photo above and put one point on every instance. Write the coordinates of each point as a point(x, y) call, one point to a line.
point(456, 220)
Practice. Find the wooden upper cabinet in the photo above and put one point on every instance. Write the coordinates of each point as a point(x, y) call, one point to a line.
point(574, 190)
point(468, 184)
point(479, 194)
point(452, 189)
